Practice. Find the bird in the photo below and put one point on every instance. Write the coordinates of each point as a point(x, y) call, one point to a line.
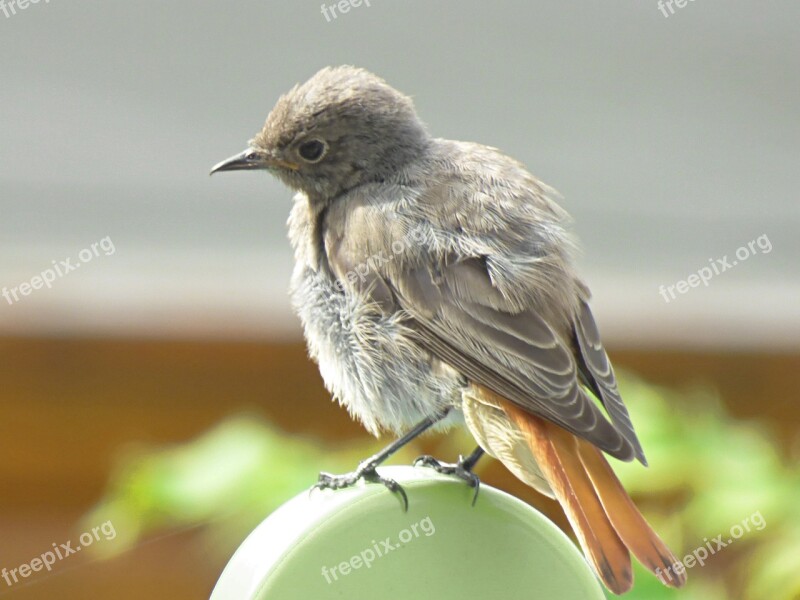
point(435, 284)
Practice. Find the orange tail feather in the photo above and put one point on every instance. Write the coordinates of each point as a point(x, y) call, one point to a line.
point(558, 459)
point(629, 523)
point(605, 519)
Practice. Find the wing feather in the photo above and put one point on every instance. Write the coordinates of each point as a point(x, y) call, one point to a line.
point(516, 355)
point(596, 370)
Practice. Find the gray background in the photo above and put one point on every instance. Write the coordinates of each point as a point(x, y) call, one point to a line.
point(673, 140)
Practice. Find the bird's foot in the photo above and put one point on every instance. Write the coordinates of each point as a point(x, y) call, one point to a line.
point(366, 471)
point(462, 469)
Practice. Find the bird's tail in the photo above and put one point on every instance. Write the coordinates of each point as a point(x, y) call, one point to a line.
point(606, 521)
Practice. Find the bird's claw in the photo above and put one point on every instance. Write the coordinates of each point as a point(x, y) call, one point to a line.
point(458, 469)
point(367, 473)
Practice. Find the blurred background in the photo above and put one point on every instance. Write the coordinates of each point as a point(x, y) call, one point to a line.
point(152, 374)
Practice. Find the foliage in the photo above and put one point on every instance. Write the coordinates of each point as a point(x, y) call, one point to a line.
point(708, 474)
point(724, 477)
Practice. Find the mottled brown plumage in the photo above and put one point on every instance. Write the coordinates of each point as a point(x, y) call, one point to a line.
point(435, 284)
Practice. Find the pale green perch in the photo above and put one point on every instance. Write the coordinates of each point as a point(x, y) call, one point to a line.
point(359, 543)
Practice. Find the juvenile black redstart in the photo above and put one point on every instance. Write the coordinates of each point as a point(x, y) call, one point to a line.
point(435, 285)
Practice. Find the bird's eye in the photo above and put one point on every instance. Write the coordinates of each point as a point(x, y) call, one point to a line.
point(312, 151)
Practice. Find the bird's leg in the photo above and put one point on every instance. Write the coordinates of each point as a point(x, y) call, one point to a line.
point(462, 469)
point(367, 468)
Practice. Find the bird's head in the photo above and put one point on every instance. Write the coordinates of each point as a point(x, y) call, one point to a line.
point(342, 128)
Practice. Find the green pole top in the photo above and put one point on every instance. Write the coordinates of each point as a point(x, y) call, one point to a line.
point(359, 543)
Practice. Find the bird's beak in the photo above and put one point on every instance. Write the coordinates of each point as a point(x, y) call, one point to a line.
point(252, 159)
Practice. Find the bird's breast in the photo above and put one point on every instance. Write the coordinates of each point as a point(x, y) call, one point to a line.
point(366, 355)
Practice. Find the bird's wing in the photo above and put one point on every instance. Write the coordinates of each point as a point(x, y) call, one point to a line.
point(596, 372)
point(486, 286)
point(459, 316)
